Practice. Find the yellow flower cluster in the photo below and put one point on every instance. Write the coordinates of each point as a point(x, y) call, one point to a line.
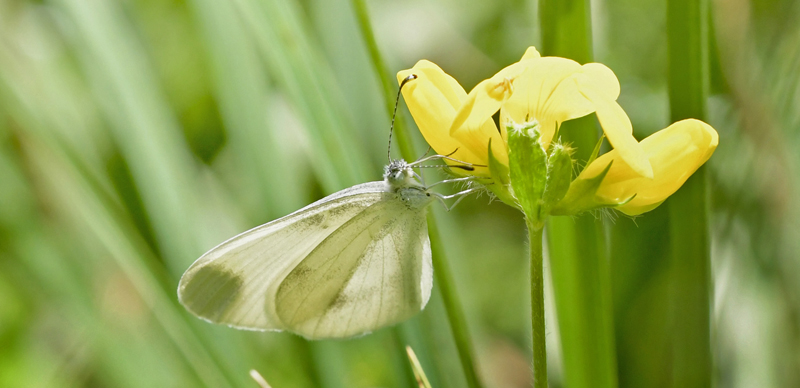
point(549, 91)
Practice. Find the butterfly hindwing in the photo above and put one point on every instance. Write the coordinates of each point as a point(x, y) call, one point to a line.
point(235, 283)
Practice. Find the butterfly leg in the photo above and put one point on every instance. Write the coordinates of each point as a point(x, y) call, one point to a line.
point(461, 195)
point(419, 177)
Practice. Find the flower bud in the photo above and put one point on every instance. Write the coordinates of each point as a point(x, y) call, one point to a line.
point(559, 174)
point(527, 163)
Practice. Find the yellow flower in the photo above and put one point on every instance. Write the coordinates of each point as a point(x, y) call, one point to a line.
point(433, 99)
point(538, 94)
point(549, 90)
point(675, 153)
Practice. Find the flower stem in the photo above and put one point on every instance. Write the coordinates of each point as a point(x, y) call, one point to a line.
point(537, 307)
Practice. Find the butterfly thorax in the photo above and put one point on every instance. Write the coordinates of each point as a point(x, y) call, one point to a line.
point(403, 181)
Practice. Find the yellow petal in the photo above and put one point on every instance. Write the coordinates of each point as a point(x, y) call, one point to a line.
point(530, 53)
point(482, 102)
point(485, 99)
point(602, 79)
point(433, 100)
point(473, 125)
point(601, 87)
point(619, 131)
point(535, 85)
point(558, 89)
point(675, 153)
point(553, 92)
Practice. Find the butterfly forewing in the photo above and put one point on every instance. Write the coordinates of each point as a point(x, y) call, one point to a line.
point(235, 283)
point(375, 270)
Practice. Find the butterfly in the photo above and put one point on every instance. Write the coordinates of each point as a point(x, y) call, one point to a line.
point(350, 263)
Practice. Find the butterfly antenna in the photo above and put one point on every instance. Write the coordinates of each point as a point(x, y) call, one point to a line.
point(394, 113)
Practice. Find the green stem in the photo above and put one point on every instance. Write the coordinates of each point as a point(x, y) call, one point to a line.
point(579, 265)
point(537, 307)
point(690, 286)
point(442, 273)
point(690, 283)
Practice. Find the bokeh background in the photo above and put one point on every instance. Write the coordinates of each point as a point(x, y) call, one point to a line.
point(135, 135)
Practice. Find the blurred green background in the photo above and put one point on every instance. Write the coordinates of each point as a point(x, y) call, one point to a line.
point(135, 135)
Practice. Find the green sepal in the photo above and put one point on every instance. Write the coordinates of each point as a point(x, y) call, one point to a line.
point(555, 139)
point(631, 199)
point(498, 171)
point(500, 183)
point(595, 152)
point(559, 175)
point(582, 197)
point(527, 163)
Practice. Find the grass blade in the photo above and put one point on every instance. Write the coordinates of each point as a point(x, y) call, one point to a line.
point(687, 33)
point(147, 134)
point(301, 73)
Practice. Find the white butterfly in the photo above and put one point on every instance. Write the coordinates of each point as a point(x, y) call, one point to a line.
point(350, 263)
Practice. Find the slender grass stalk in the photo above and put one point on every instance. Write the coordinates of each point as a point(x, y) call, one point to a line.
point(240, 86)
point(297, 69)
point(388, 84)
point(442, 272)
point(94, 217)
point(419, 373)
point(101, 232)
point(455, 314)
point(145, 131)
point(535, 236)
point(688, 209)
point(579, 264)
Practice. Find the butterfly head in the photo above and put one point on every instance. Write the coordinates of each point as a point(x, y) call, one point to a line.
point(398, 174)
